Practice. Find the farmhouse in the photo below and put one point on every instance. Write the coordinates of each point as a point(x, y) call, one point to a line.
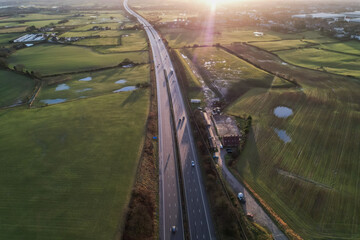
point(227, 130)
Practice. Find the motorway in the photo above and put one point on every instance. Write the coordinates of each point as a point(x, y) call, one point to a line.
point(170, 103)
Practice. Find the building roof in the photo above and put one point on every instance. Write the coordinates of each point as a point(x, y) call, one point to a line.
point(226, 126)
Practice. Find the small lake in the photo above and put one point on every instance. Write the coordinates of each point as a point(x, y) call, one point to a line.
point(283, 135)
point(85, 79)
point(122, 81)
point(125, 89)
point(62, 87)
point(84, 90)
point(283, 112)
point(53, 101)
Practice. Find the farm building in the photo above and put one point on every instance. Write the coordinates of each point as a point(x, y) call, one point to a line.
point(195, 101)
point(227, 130)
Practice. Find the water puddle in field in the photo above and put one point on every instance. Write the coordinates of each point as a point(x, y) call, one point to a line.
point(125, 89)
point(62, 87)
point(283, 135)
point(128, 66)
point(85, 79)
point(53, 101)
point(283, 112)
point(120, 81)
point(84, 90)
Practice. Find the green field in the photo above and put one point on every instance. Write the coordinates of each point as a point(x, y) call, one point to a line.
point(53, 59)
point(312, 180)
point(39, 24)
point(96, 18)
point(13, 30)
point(309, 172)
point(110, 41)
point(9, 24)
point(184, 37)
point(352, 47)
point(68, 169)
point(323, 60)
point(35, 16)
point(5, 38)
point(14, 87)
point(113, 26)
point(102, 82)
point(131, 40)
point(280, 45)
point(167, 15)
point(105, 33)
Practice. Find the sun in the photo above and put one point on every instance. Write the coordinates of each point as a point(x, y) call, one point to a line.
point(213, 4)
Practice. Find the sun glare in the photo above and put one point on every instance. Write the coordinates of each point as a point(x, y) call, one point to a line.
point(213, 5)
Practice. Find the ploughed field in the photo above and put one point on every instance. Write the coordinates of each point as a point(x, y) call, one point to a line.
point(304, 164)
point(69, 161)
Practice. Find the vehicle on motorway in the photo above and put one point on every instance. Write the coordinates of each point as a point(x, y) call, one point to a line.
point(173, 229)
point(193, 163)
point(241, 197)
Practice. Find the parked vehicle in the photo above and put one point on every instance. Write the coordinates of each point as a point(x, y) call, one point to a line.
point(241, 197)
point(250, 216)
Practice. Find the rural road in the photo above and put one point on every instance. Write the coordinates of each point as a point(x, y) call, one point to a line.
point(250, 206)
point(198, 214)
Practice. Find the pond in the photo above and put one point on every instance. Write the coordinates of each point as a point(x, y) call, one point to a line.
point(125, 89)
point(283, 112)
point(53, 101)
point(128, 66)
point(283, 135)
point(85, 79)
point(84, 90)
point(120, 81)
point(62, 87)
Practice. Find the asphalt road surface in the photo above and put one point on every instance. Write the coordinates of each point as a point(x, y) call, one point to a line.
point(197, 209)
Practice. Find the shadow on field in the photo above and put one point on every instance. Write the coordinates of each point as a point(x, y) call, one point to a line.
point(251, 155)
point(132, 98)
